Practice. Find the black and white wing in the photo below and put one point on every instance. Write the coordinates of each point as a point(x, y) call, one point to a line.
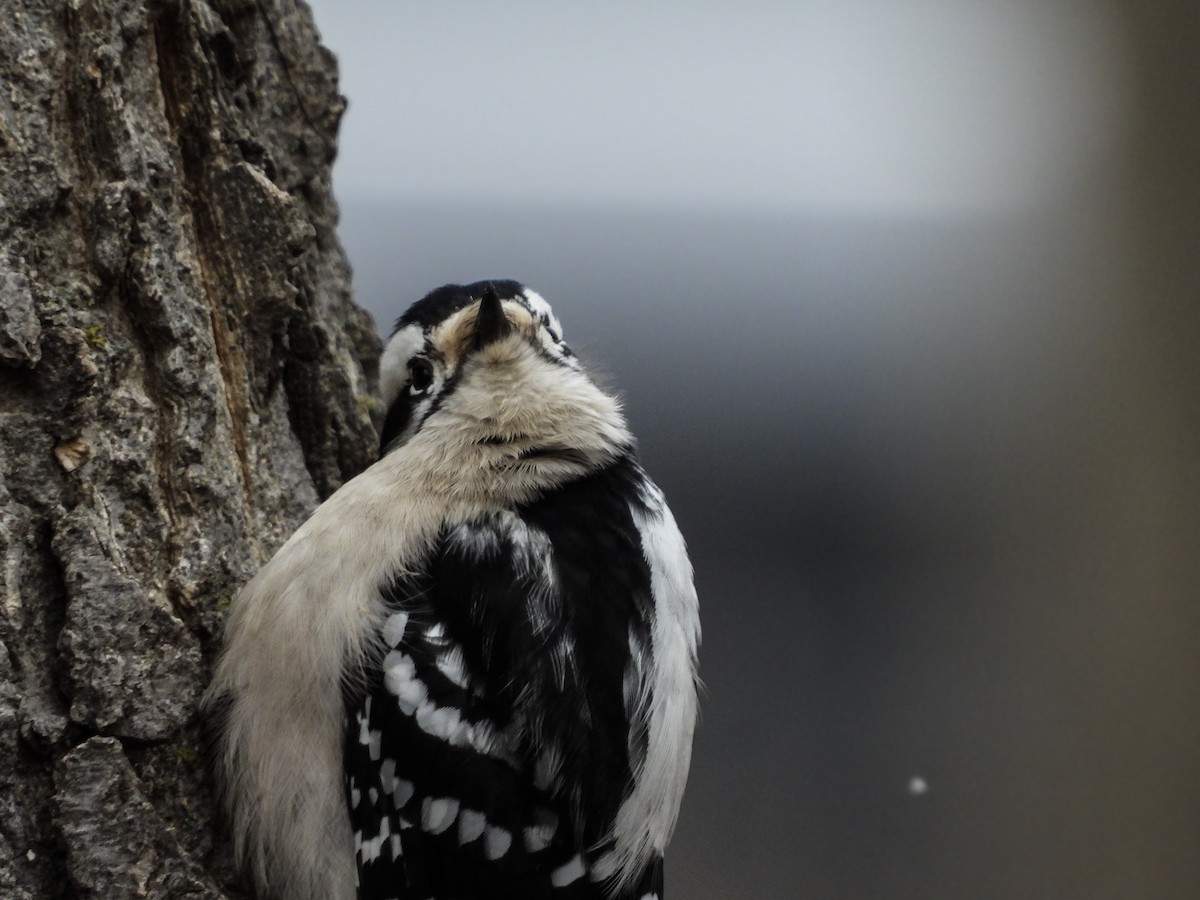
point(529, 729)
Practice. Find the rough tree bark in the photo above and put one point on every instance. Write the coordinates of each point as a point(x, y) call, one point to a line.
point(183, 376)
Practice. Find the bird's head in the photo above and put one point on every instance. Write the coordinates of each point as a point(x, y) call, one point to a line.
point(482, 394)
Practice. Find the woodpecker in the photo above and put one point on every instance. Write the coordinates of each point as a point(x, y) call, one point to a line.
point(472, 672)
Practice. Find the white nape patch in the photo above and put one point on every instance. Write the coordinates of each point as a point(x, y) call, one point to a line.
point(375, 738)
point(551, 336)
point(438, 814)
point(496, 841)
point(397, 847)
point(374, 795)
point(387, 775)
point(393, 629)
point(402, 792)
point(355, 795)
point(540, 307)
point(471, 823)
point(393, 365)
point(569, 872)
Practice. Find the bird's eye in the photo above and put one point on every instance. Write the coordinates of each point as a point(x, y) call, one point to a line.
point(420, 375)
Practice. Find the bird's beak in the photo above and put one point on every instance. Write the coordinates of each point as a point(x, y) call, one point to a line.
point(491, 324)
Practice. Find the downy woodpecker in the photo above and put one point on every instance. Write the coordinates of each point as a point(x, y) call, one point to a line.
point(472, 672)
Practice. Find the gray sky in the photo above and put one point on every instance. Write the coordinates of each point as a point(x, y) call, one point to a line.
point(860, 107)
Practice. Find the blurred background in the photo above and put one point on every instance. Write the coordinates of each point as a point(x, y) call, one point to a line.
point(903, 299)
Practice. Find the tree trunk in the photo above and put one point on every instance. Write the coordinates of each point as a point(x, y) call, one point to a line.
point(183, 377)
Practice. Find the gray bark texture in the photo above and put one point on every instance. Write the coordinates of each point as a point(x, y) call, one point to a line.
point(183, 377)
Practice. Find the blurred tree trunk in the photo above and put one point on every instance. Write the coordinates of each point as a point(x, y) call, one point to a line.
point(183, 376)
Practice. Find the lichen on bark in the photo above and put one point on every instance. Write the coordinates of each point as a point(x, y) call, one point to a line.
point(182, 370)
